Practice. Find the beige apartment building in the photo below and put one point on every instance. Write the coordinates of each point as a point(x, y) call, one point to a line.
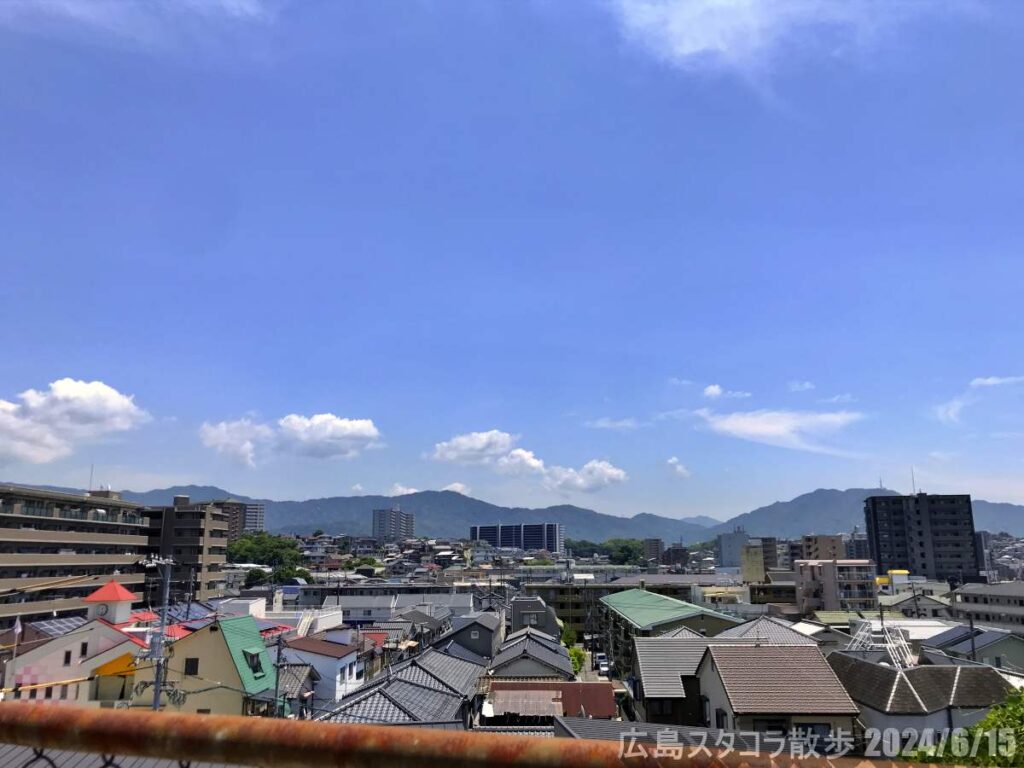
point(822, 547)
point(56, 548)
point(835, 585)
point(195, 536)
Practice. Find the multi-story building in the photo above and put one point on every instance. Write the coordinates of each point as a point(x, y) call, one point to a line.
point(815, 546)
point(653, 550)
point(255, 517)
point(857, 547)
point(526, 536)
point(195, 536)
point(56, 548)
point(676, 555)
point(835, 585)
point(234, 510)
point(929, 535)
point(393, 524)
point(756, 557)
point(998, 605)
point(729, 548)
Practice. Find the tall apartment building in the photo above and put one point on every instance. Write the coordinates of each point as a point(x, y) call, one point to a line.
point(653, 550)
point(195, 536)
point(756, 557)
point(857, 547)
point(528, 536)
point(929, 535)
point(255, 517)
point(235, 512)
point(56, 548)
point(393, 524)
point(729, 548)
point(835, 585)
point(822, 547)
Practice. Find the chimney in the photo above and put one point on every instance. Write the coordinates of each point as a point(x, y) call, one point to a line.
point(643, 584)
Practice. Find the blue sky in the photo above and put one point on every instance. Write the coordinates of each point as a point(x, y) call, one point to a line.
point(672, 257)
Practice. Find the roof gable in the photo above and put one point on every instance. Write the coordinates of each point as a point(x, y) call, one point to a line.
point(111, 592)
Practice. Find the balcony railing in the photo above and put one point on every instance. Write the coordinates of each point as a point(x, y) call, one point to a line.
point(47, 729)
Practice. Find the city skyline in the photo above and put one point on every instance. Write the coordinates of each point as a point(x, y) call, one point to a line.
point(669, 263)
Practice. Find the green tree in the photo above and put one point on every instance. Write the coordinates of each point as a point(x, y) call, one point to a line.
point(318, 532)
point(568, 636)
point(265, 549)
point(255, 577)
point(998, 739)
point(578, 657)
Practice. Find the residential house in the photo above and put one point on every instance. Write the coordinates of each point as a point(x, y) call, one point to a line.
point(531, 654)
point(640, 613)
point(773, 689)
point(930, 698)
point(221, 668)
point(914, 605)
point(532, 611)
point(768, 629)
point(517, 702)
point(666, 687)
point(339, 658)
point(91, 664)
point(296, 689)
point(480, 633)
point(432, 688)
point(999, 648)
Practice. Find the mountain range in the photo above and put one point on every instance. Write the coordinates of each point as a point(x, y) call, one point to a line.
point(447, 513)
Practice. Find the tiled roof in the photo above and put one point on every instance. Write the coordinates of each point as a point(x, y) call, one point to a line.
point(452, 648)
point(774, 679)
point(646, 610)
point(419, 618)
point(458, 673)
point(661, 661)
point(919, 690)
point(111, 592)
point(957, 640)
point(681, 631)
point(396, 630)
point(294, 677)
point(768, 629)
point(322, 647)
point(144, 616)
point(538, 731)
point(556, 660)
point(572, 697)
point(486, 619)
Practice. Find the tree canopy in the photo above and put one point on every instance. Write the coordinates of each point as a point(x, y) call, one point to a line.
point(265, 549)
point(618, 551)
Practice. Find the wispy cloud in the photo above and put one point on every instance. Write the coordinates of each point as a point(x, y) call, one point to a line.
point(144, 22)
point(949, 411)
point(458, 487)
point(798, 430)
point(498, 449)
point(619, 425)
point(845, 397)
point(678, 467)
point(801, 386)
point(746, 37)
point(995, 381)
point(715, 391)
point(675, 381)
point(401, 490)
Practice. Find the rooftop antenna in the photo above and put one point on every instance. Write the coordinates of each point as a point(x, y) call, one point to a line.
point(913, 482)
point(92, 468)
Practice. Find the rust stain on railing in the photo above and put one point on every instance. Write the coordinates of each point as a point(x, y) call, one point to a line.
point(252, 741)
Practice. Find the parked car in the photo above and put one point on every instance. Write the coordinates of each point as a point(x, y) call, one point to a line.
point(603, 669)
point(597, 659)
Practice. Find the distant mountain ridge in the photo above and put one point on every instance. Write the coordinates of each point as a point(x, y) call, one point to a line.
point(447, 513)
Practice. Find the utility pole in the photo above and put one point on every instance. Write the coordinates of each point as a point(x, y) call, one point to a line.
point(277, 678)
point(157, 646)
point(970, 623)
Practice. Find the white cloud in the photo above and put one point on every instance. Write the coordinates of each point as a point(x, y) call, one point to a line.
point(605, 422)
point(949, 412)
point(47, 424)
point(942, 456)
point(322, 435)
point(458, 487)
point(475, 447)
point(495, 448)
point(357, 488)
point(238, 439)
point(846, 397)
point(675, 381)
point(715, 391)
point(801, 386)
point(798, 430)
point(140, 21)
point(995, 381)
point(746, 36)
point(678, 467)
point(325, 435)
point(401, 490)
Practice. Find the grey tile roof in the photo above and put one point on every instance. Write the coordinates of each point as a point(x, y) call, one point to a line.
point(542, 731)
point(661, 661)
point(957, 639)
point(452, 648)
point(555, 658)
point(542, 637)
point(681, 631)
point(768, 629)
point(293, 677)
point(485, 619)
point(613, 730)
point(420, 619)
point(459, 673)
point(919, 690)
point(776, 679)
point(397, 630)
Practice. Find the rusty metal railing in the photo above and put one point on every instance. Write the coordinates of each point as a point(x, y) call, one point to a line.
point(273, 743)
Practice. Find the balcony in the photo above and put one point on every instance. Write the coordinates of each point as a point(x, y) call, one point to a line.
point(70, 537)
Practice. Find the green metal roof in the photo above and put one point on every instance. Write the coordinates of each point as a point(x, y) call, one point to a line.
point(243, 639)
point(645, 610)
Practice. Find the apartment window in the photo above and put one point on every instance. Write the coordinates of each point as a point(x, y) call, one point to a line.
point(48, 694)
point(192, 666)
point(63, 691)
point(32, 693)
point(474, 634)
point(252, 658)
point(83, 650)
point(202, 711)
point(721, 719)
point(67, 658)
